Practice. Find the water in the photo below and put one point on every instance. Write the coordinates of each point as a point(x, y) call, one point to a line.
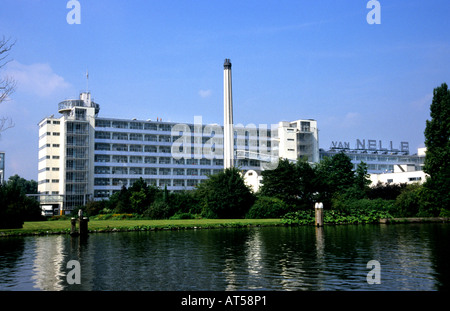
point(411, 257)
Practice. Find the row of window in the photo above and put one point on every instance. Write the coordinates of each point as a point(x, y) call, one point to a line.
point(47, 169)
point(47, 181)
point(49, 134)
point(48, 146)
point(49, 122)
point(47, 157)
point(167, 139)
point(154, 171)
point(101, 158)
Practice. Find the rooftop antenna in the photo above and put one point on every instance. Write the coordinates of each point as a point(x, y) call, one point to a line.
point(87, 81)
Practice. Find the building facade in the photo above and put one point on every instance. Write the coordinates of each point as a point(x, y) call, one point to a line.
point(84, 157)
point(380, 161)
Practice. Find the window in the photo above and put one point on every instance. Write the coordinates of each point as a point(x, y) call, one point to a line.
point(119, 159)
point(415, 178)
point(150, 171)
point(102, 158)
point(135, 159)
point(103, 147)
point(120, 170)
point(179, 171)
point(164, 160)
point(134, 136)
point(135, 125)
point(102, 123)
point(55, 133)
point(150, 126)
point(119, 147)
point(151, 149)
point(136, 148)
point(164, 171)
point(150, 160)
point(135, 171)
point(120, 124)
point(120, 136)
point(102, 135)
point(148, 137)
point(101, 170)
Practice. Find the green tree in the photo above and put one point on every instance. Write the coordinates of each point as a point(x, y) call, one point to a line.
point(437, 141)
point(341, 173)
point(307, 183)
point(225, 195)
point(282, 182)
point(27, 186)
point(15, 206)
point(362, 182)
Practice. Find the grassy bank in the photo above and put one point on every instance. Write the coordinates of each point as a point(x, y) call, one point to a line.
point(63, 226)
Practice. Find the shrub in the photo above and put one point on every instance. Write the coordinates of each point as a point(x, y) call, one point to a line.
point(158, 210)
point(267, 207)
point(299, 218)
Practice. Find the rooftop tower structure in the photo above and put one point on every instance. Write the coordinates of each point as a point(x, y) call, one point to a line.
point(228, 153)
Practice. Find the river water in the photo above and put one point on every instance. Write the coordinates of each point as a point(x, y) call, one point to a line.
point(410, 257)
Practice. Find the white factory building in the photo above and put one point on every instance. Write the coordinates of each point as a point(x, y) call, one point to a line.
point(85, 157)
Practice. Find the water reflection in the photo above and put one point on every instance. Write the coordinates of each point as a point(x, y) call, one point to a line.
point(412, 257)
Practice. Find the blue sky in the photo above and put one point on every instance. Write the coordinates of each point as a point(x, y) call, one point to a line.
point(291, 60)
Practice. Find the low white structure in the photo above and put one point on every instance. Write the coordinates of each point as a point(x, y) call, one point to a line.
point(399, 177)
point(253, 179)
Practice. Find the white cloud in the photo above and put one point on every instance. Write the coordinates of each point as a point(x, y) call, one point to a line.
point(205, 93)
point(38, 79)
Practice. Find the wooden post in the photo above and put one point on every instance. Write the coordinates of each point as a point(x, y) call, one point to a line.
point(73, 228)
point(319, 214)
point(83, 226)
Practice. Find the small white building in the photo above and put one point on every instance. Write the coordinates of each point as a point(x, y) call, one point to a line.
point(403, 173)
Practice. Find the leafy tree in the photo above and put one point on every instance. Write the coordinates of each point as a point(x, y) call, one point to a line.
point(27, 186)
point(15, 206)
point(341, 172)
point(225, 195)
point(120, 201)
point(282, 182)
point(361, 183)
point(335, 178)
point(437, 141)
point(307, 183)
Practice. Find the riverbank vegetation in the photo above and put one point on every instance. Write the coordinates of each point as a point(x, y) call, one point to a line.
point(288, 192)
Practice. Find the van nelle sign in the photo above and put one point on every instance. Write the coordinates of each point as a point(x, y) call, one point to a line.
point(372, 144)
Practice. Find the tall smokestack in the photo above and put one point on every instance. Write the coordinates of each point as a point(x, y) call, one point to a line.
point(228, 144)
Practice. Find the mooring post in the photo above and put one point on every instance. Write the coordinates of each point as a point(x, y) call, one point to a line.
point(319, 214)
point(83, 223)
point(73, 228)
point(84, 226)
